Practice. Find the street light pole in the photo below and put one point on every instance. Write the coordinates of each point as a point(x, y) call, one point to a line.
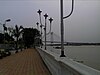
point(5, 28)
point(50, 19)
point(39, 12)
point(51, 38)
point(62, 26)
point(38, 30)
point(37, 25)
point(62, 30)
point(7, 20)
point(45, 28)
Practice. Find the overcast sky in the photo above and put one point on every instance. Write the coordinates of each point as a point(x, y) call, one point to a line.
point(82, 26)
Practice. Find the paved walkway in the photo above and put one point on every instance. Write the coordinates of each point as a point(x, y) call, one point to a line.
point(27, 62)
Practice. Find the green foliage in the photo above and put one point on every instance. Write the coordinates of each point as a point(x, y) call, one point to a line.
point(29, 35)
point(8, 38)
point(1, 38)
point(16, 33)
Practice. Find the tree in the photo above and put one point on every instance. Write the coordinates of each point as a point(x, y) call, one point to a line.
point(17, 32)
point(10, 31)
point(1, 38)
point(8, 38)
point(29, 35)
point(9, 35)
point(5, 28)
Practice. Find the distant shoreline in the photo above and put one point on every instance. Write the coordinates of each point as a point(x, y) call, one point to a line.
point(77, 44)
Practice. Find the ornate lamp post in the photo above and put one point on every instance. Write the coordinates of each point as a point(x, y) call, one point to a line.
point(45, 28)
point(41, 25)
point(7, 20)
point(39, 12)
point(4, 25)
point(62, 26)
point(5, 28)
point(37, 25)
point(50, 19)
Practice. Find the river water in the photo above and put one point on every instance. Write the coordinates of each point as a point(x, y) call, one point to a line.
point(88, 55)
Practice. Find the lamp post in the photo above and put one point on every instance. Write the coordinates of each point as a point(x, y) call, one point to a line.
point(38, 30)
point(62, 26)
point(7, 20)
point(51, 19)
point(5, 28)
point(45, 28)
point(41, 25)
point(37, 25)
point(51, 38)
point(39, 12)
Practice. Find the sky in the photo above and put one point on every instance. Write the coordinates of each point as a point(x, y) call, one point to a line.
point(82, 26)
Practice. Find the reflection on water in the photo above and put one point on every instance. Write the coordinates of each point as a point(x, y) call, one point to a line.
point(88, 55)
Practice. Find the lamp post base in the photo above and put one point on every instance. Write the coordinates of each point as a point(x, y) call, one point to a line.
point(62, 54)
point(45, 48)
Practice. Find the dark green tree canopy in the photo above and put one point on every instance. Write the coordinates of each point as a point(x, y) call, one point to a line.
point(8, 38)
point(29, 35)
point(17, 31)
point(1, 38)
